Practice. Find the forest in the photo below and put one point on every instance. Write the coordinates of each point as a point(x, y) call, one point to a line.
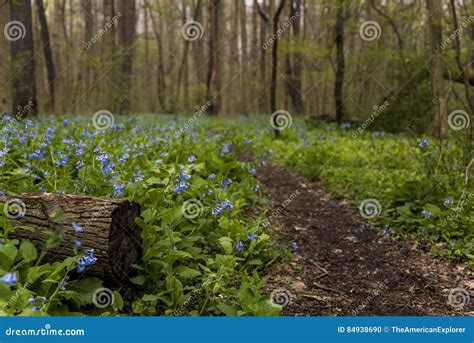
point(236, 157)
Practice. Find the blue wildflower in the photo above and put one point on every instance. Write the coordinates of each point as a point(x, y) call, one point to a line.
point(79, 165)
point(247, 140)
point(423, 144)
point(192, 158)
point(225, 148)
point(77, 227)
point(346, 125)
point(226, 183)
point(31, 300)
point(427, 214)
point(182, 186)
point(212, 176)
point(36, 308)
point(159, 162)
point(447, 201)
point(118, 189)
point(252, 171)
point(294, 246)
point(86, 260)
point(77, 243)
point(250, 236)
point(239, 245)
point(9, 278)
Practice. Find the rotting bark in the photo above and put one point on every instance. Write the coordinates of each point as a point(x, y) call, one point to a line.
point(108, 227)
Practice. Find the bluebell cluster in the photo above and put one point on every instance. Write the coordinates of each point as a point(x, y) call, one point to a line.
point(182, 182)
point(224, 205)
point(427, 214)
point(447, 201)
point(239, 245)
point(87, 260)
point(9, 278)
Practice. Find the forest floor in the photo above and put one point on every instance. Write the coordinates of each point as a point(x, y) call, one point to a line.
point(342, 267)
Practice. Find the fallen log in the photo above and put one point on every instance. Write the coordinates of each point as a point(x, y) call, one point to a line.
point(106, 225)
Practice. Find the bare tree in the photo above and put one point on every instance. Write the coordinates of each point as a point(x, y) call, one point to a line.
point(22, 60)
point(126, 39)
point(5, 97)
point(48, 55)
point(340, 62)
point(213, 76)
point(435, 16)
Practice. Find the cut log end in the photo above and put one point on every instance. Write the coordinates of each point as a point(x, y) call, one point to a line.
point(108, 227)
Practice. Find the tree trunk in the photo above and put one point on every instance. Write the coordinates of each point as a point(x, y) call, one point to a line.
point(108, 227)
point(5, 96)
point(435, 16)
point(295, 66)
point(339, 79)
point(213, 77)
point(48, 55)
point(126, 38)
point(23, 63)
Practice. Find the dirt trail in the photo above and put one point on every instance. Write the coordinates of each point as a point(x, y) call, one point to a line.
point(343, 268)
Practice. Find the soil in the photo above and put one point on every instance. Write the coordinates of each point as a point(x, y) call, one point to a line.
point(342, 267)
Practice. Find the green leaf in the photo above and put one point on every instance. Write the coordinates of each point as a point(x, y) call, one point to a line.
point(226, 244)
point(227, 310)
point(187, 273)
point(138, 280)
point(28, 251)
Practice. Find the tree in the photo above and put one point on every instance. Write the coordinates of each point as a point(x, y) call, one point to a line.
point(48, 55)
point(435, 16)
point(22, 60)
point(126, 39)
point(295, 66)
point(340, 63)
point(5, 97)
point(213, 71)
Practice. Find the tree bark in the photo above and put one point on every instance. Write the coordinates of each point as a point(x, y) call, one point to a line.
point(108, 227)
point(340, 63)
point(23, 63)
point(213, 77)
point(295, 66)
point(435, 16)
point(5, 87)
point(48, 55)
point(127, 38)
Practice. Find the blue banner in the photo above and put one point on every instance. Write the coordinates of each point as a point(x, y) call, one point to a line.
point(234, 329)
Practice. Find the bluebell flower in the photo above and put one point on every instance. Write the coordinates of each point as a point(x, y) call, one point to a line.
point(36, 308)
point(346, 125)
point(423, 144)
point(159, 162)
point(118, 189)
point(239, 245)
point(247, 140)
point(79, 165)
point(77, 227)
point(226, 183)
point(173, 246)
point(225, 148)
point(182, 186)
point(9, 278)
point(61, 161)
point(447, 201)
point(386, 231)
point(192, 158)
point(86, 260)
point(77, 243)
point(212, 176)
point(31, 300)
point(294, 246)
point(250, 236)
point(184, 176)
point(427, 214)
point(252, 171)
point(43, 299)
point(66, 122)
